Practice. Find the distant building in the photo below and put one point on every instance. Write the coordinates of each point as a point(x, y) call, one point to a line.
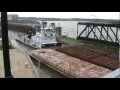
point(12, 17)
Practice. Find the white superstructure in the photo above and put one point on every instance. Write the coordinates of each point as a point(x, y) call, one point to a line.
point(42, 37)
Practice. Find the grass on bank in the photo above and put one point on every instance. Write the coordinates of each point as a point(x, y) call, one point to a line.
point(93, 43)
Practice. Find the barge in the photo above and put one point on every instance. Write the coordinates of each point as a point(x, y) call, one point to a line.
point(68, 65)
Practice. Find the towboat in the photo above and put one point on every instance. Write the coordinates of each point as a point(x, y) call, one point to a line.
point(43, 37)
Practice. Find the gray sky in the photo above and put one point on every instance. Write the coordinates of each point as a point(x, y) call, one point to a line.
point(99, 15)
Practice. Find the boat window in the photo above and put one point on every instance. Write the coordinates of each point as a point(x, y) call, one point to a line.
point(43, 30)
point(45, 34)
point(53, 31)
point(48, 30)
point(39, 30)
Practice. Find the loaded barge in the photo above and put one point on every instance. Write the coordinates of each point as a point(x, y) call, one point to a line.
point(73, 67)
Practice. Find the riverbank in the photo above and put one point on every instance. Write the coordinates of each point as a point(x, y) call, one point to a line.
point(91, 43)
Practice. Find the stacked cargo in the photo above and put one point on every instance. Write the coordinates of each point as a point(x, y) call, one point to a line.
point(98, 56)
point(114, 55)
point(70, 65)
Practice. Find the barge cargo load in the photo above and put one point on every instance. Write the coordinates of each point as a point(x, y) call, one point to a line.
point(68, 65)
point(99, 56)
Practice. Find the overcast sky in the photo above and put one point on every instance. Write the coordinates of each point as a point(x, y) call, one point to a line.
point(98, 15)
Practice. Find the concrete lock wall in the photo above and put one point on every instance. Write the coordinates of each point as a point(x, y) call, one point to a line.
point(20, 28)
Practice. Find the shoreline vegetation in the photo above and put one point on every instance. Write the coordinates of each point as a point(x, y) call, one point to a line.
point(92, 43)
